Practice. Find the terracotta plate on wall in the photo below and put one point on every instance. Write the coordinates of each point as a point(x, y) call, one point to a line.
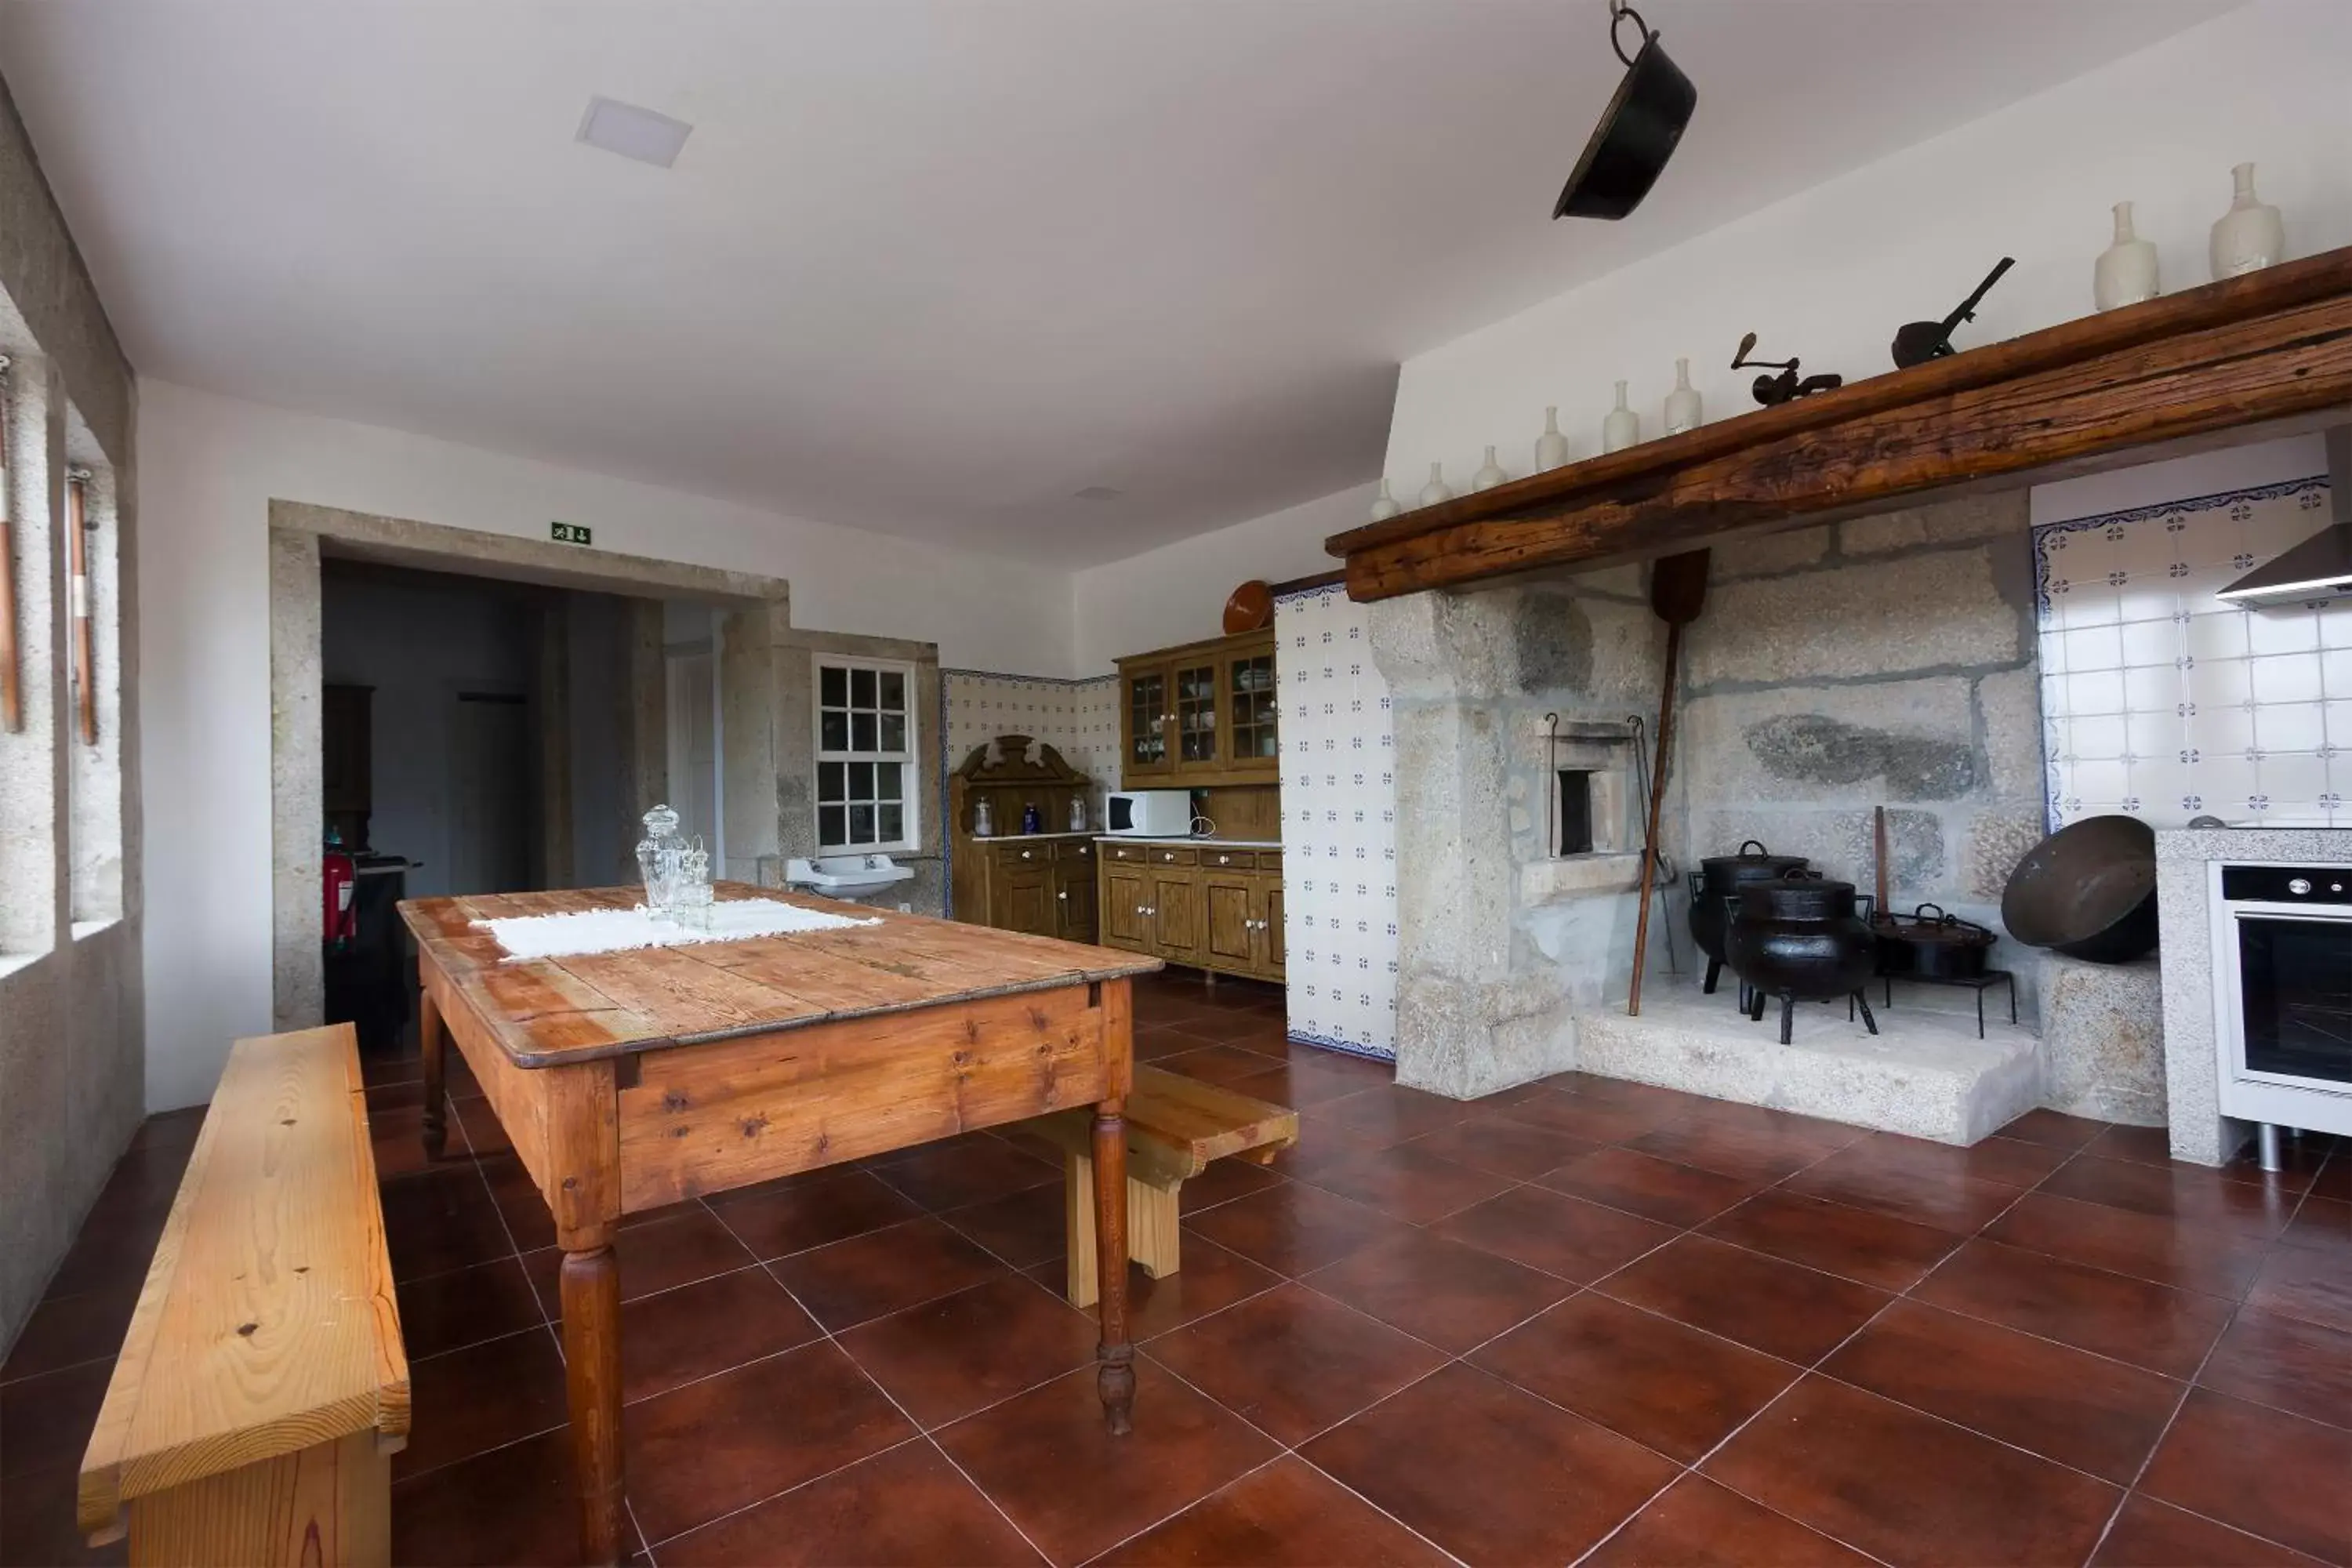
point(1250, 609)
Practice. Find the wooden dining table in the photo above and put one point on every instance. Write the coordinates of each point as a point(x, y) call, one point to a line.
point(628, 1080)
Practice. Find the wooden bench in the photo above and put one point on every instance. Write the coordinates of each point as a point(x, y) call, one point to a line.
point(1175, 1126)
point(262, 1387)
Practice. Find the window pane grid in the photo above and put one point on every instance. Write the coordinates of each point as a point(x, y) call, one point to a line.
point(865, 741)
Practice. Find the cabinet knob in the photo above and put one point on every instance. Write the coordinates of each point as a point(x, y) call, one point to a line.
point(1170, 855)
point(1064, 897)
point(1025, 854)
point(1224, 860)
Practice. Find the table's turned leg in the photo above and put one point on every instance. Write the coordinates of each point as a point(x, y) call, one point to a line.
point(1116, 1380)
point(431, 1043)
point(592, 1365)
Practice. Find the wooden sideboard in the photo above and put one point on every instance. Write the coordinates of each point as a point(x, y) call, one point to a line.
point(1201, 714)
point(1041, 883)
point(1210, 905)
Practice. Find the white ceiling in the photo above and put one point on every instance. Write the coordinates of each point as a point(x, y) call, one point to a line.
point(930, 266)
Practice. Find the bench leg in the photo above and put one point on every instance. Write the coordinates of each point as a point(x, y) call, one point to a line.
point(1151, 1236)
point(431, 1044)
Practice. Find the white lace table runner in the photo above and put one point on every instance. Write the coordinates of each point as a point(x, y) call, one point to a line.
point(617, 930)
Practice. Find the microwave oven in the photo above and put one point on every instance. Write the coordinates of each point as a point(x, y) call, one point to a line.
point(1149, 813)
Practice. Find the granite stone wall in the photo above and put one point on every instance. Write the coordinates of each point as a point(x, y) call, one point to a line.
point(1887, 660)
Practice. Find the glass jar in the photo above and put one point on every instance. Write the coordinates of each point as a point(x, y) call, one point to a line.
point(659, 857)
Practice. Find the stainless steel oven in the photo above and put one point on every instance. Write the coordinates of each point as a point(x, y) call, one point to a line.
point(2283, 995)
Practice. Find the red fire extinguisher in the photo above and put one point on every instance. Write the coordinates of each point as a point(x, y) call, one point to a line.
point(342, 878)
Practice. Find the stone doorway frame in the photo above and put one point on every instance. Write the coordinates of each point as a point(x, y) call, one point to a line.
point(301, 535)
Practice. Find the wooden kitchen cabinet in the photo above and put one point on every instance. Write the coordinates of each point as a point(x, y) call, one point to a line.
point(1040, 883)
point(1207, 905)
point(1201, 715)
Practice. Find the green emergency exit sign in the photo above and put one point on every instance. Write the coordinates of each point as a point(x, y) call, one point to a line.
point(569, 532)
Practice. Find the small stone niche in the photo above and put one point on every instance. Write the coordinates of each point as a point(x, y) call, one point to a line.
point(1589, 784)
point(1572, 818)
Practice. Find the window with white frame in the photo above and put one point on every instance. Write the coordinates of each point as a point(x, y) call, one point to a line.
point(865, 774)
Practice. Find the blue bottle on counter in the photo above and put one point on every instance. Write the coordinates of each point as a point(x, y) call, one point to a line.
point(1031, 822)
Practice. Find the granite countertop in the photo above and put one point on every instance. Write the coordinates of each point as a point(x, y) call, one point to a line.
point(1222, 843)
point(2186, 845)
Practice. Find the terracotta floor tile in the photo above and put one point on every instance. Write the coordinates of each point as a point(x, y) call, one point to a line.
point(954, 1175)
point(1293, 1362)
point(2150, 1534)
point(2312, 1285)
point(1653, 1188)
point(2260, 1470)
point(1560, 1234)
point(1390, 1113)
point(715, 1445)
point(2149, 1325)
point(397, 1138)
point(38, 1527)
point(1518, 1150)
point(1298, 1084)
point(447, 1311)
point(1021, 1228)
point(1409, 1183)
point(2055, 1129)
point(2147, 1246)
point(1698, 1524)
point(1890, 1178)
point(483, 1132)
point(1907, 1488)
point(904, 1508)
point(66, 1331)
point(2184, 1191)
point(1746, 1154)
point(2012, 1162)
point(441, 1220)
point(1211, 1280)
point(1592, 1121)
point(883, 1271)
point(1489, 1471)
point(2065, 1404)
point(111, 1254)
point(48, 1418)
point(676, 1336)
point(1625, 1092)
point(661, 1256)
point(776, 1222)
point(1216, 1064)
point(1184, 1447)
point(1288, 1515)
point(1222, 1182)
point(1872, 1248)
point(1656, 1380)
point(1797, 1314)
point(1452, 1296)
point(519, 1202)
point(2286, 1363)
point(1296, 1228)
point(2320, 1223)
point(948, 1358)
point(509, 1507)
point(481, 1398)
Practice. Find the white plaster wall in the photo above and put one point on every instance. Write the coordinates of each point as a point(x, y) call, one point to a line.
point(210, 465)
point(1177, 594)
point(1830, 273)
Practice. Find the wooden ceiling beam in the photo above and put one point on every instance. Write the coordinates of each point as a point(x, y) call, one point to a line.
point(2270, 345)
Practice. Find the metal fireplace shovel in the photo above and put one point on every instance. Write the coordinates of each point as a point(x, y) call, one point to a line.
point(1677, 593)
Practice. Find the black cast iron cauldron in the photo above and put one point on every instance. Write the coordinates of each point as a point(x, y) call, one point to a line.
point(1929, 945)
point(1801, 939)
point(1719, 880)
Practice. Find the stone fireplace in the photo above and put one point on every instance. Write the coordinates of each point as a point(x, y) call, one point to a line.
point(1886, 660)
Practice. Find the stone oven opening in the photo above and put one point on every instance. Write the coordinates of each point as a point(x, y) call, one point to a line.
point(1572, 834)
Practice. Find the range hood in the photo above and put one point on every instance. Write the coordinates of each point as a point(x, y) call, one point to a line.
point(2320, 568)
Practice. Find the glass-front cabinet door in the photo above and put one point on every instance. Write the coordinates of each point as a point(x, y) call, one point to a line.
point(1196, 714)
point(1143, 720)
point(1253, 706)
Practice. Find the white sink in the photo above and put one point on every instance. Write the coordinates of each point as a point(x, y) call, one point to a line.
point(845, 876)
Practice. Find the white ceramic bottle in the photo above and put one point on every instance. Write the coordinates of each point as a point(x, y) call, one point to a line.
point(2250, 236)
point(1384, 505)
point(1437, 489)
point(1490, 473)
point(2125, 271)
point(1623, 428)
point(1682, 403)
point(1551, 446)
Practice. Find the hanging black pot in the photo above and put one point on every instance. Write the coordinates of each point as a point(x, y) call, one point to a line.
point(1637, 131)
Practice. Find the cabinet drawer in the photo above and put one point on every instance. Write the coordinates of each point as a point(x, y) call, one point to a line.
point(1228, 859)
point(1017, 855)
point(1167, 855)
point(1128, 854)
point(1269, 859)
point(1081, 853)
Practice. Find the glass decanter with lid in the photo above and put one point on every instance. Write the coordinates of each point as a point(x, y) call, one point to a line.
point(660, 860)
